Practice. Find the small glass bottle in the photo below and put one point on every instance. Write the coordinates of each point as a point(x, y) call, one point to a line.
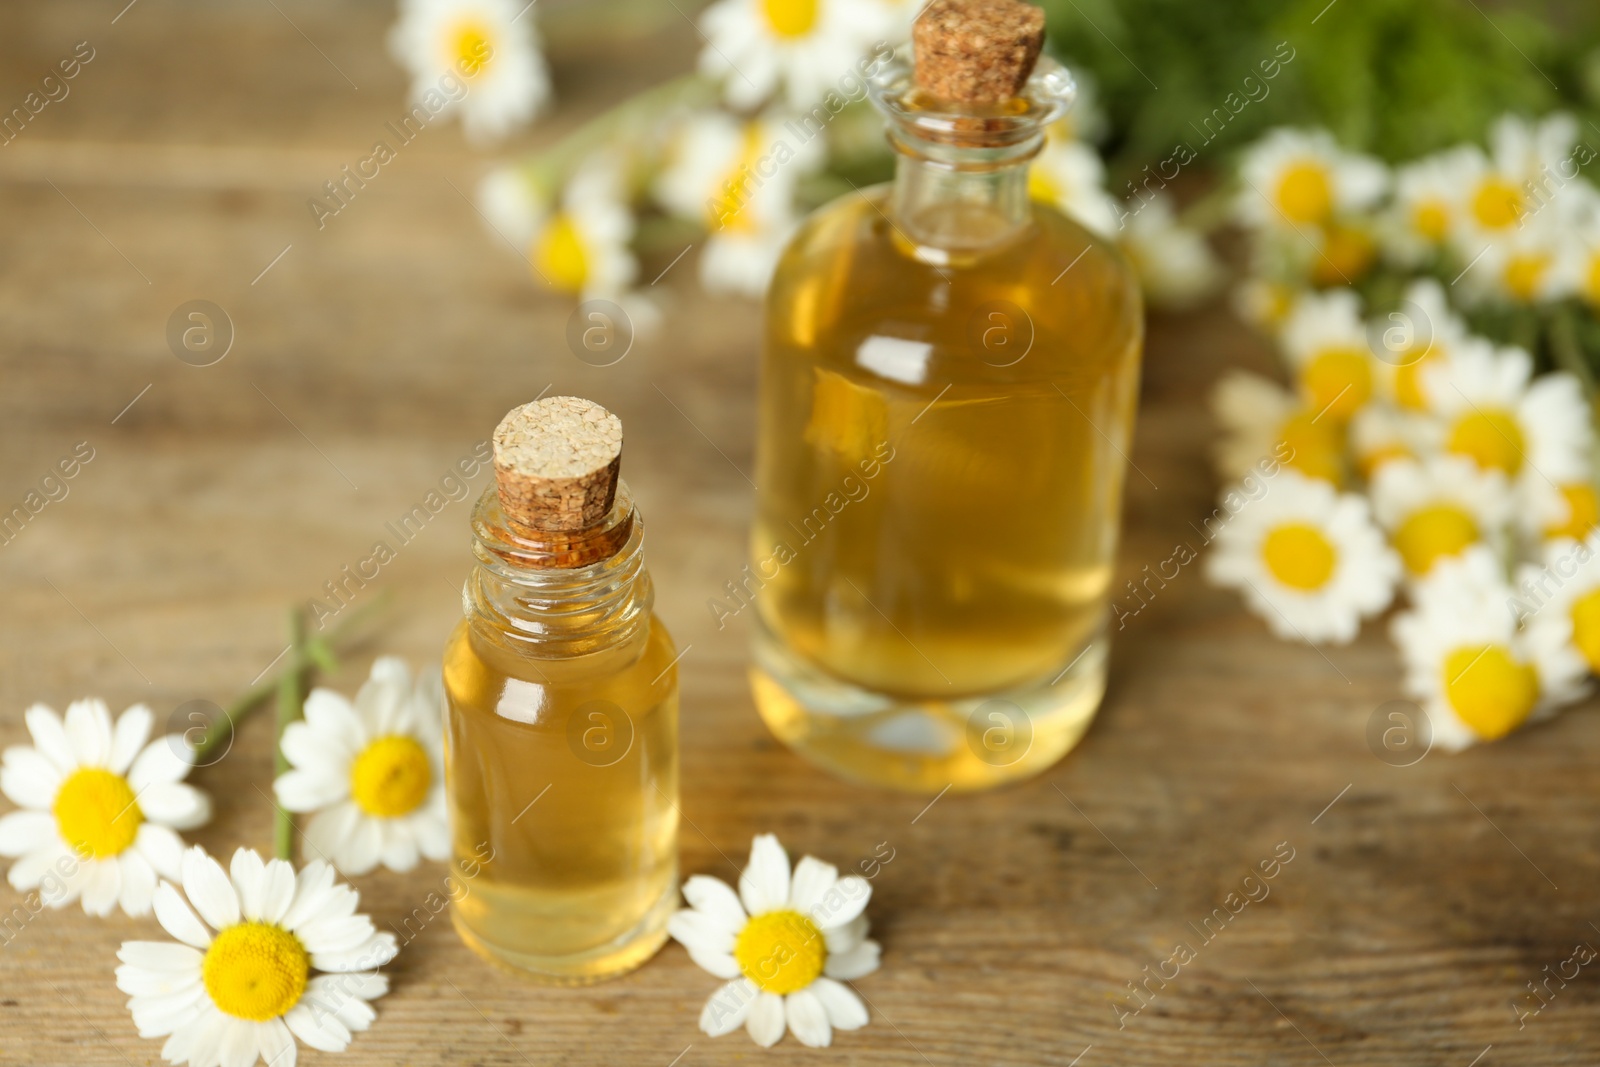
point(948, 385)
point(561, 711)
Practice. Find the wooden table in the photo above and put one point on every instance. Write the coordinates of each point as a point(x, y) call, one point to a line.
point(372, 354)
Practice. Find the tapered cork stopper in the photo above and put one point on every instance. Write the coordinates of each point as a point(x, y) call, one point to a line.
point(976, 51)
point(555, 464)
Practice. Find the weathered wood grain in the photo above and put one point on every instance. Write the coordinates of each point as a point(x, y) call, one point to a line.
point(1415, 908)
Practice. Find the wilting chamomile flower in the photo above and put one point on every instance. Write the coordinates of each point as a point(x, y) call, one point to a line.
point(239, 984)
point(1307, 558)
point(1175, 264)
point(101, 807)
point(1070, 176)
point(786, 943)
point(801, 48)
point(478, 58)
point(1479, 677)
point(737, 179)
point(1325, 340)
point(1558, 598)
point(1263, 423)
point(1301, 180)
point(1492, 410)
point(1439, 507)
point(372, 771)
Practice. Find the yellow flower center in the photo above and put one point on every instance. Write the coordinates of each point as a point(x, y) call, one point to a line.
point(1377, 457)
point(1408, 381)
point(1305, 193)
point(559, 255)
point(1299, 556)
point(1591, 282)
point(391, 777)
point(1497, 204)
point(1583, 512)
point(726, 208)
point(1316, 446)
point(472, 49)
point(1586, 627)
point(1431, 219)
point(255, 971)
point(1043, 186)
point(1432, 533)
point(1347, 253)
point(96, 812)
point(781, 952)
point(790, 18)
point(1491, 439)
point(1490, 692)
point(1524, 274)
point(1338, 382)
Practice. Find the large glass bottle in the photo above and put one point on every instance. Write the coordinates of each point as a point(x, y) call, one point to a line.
point(948, 385)
point(561, 747)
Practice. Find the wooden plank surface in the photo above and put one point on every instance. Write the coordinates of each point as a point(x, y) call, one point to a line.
point(1419, 901)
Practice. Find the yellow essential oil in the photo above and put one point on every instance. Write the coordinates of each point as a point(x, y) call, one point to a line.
point(561, 692)
point(948, 386)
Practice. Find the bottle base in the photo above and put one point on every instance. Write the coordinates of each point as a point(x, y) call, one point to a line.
point(610, 960)
point(926, 745)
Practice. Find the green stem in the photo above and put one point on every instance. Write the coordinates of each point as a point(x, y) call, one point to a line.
point(547, 168)
point(291, 697)
point(243, 705)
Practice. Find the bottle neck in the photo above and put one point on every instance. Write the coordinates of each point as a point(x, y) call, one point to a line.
point(952, 201)
point(564, 595)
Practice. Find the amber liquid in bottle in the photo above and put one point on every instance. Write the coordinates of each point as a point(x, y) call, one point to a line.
point(562, 757)
point(947, 397)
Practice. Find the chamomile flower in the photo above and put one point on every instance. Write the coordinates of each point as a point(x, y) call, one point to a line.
point(1380, 434)
point(800, 48)
point(512, 206)
point(1307, 558)
point(1174, 262)
point(1427, 205)
point(1559, 597)
point(1263, 424)
point(1325, 340)
point(1554, 510)
point(372, 772)
point(101, 807)
point(240, 983)
point(737, 179)
point(582, 246)
point(1477, 675)
point(1492, 410)
point(1069, 175)
point(1499, 187)
point(1420, 331)
point(1521, 268)
point(1265, 304)
point(1301, 180)
point(1579, 255)
point(1438, 508)
point(479, 58)
point(786, 943)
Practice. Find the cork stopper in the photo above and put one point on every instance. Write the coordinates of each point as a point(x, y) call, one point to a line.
point(555, 465)
point(976, 51)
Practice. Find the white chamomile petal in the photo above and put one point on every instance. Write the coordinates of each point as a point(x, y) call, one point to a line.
point(128, 737)
point(89, 730)
point(775, 942)
point(22, 832)
point(370, 772)
point(50, 737)
point(246, 992)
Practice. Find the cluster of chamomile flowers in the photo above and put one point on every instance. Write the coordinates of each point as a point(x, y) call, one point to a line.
point(1516, 225)
point(1409, 455)
point(730, 163)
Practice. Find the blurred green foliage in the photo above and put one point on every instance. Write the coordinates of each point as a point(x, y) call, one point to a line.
point(1398, 78)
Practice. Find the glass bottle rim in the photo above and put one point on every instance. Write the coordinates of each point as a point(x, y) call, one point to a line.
point(1048, 94)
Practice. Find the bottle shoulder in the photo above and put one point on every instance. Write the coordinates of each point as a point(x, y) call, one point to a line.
point(849, 275)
